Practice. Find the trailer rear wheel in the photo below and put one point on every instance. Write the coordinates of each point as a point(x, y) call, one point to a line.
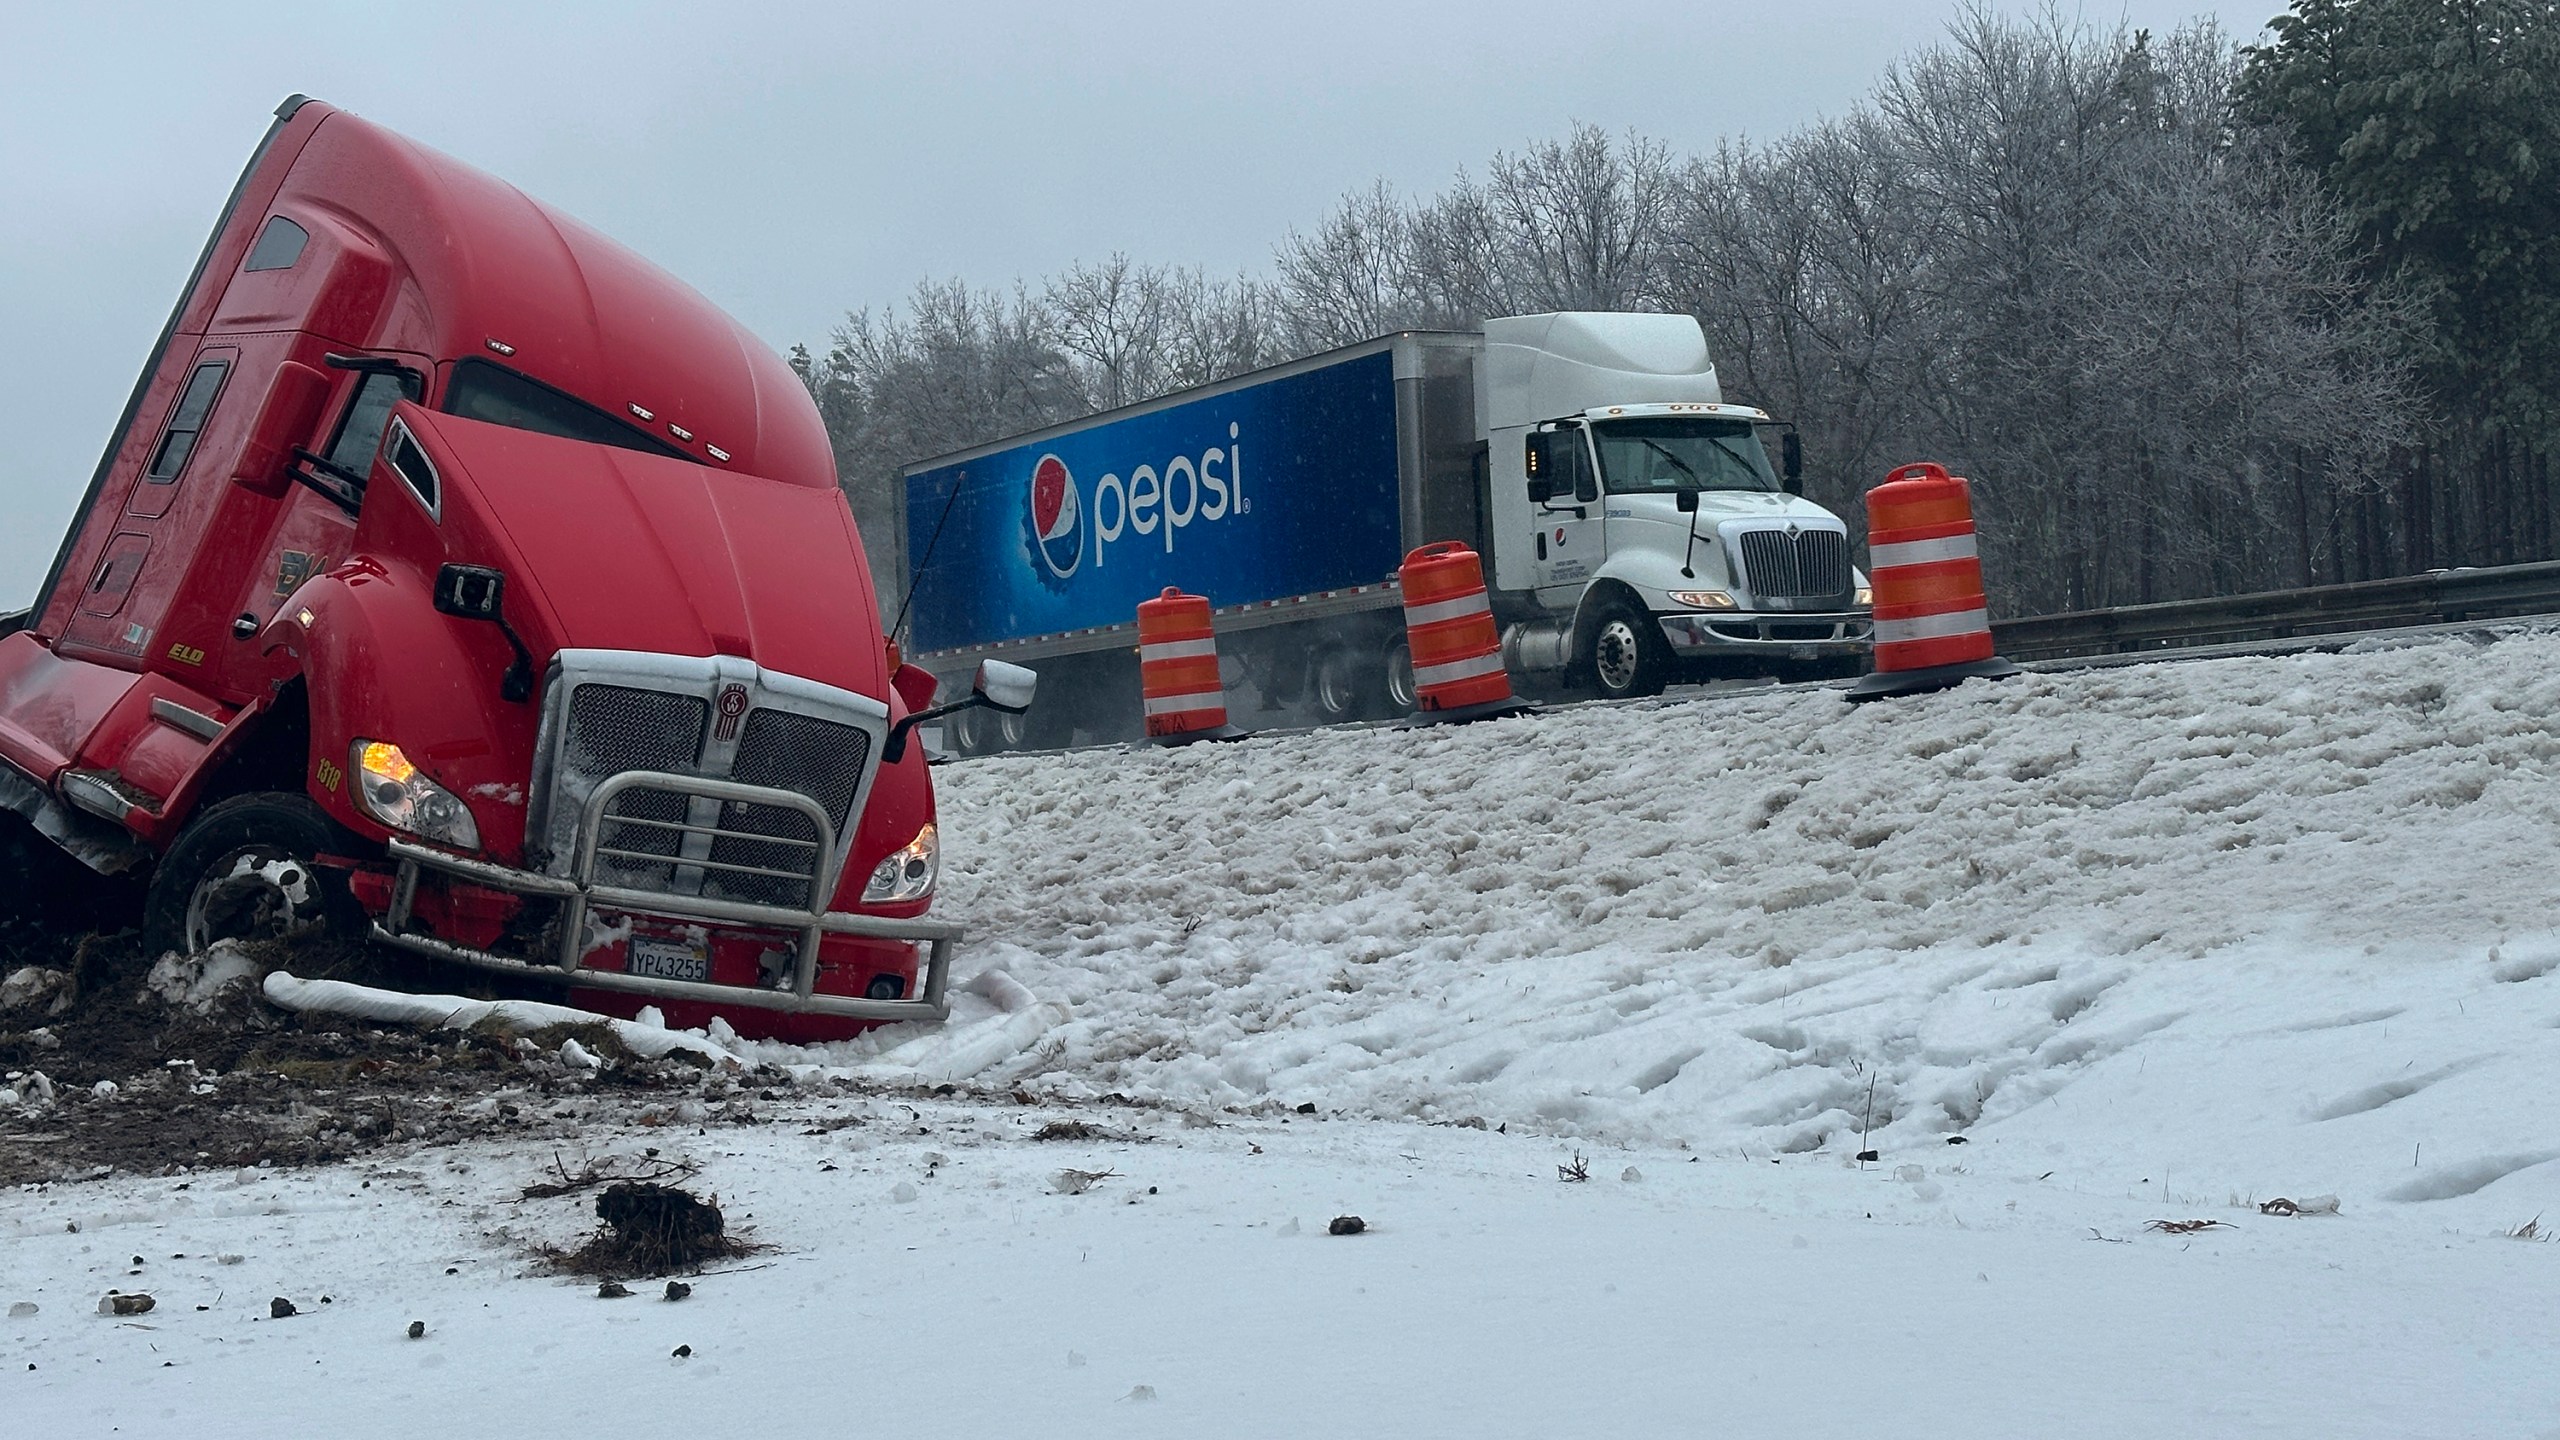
point(1339, 686)
point(980, 730)
point(243, 870)
point(1397, 672)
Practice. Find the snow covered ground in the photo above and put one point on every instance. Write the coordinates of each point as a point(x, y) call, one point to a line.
point(2322, 892)
point(1712, 942)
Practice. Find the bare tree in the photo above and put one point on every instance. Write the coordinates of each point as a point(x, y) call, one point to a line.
point(2048, 255)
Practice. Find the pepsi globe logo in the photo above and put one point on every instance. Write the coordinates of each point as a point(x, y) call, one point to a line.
point(1057, 517)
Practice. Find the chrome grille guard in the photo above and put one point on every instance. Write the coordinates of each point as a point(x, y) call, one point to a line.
point(579, 892)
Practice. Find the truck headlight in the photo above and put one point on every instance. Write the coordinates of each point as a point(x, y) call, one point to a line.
point(1701, 599)
point(393, 792)
point(908, 872)
point(1865, 598)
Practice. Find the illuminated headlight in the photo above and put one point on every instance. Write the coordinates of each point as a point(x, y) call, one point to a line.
point(1701, 599)
point(393, 792)
point(908, 873)
point(1865, 597)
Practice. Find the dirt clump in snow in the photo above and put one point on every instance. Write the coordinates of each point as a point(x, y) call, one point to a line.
point(651, 1229)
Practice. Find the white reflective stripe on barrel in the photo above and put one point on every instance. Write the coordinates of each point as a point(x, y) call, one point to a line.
point(1933, 627)
point(1186, 704)
point(1454, 670)
point(1176, 649)
point(1922, 552)
point(1438, 610)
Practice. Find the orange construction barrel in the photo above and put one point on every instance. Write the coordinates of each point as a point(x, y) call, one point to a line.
point(1449, 630)
point(1178, 670)
point(1932, 626)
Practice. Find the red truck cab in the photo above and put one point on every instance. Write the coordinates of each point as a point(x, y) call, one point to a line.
point(458, 576)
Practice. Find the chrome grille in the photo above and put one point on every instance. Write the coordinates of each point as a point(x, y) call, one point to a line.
point(639, 825)
point(613, 728)
point(686, 835)
point(775, 871)
point(1806, 565)
point(819, 758)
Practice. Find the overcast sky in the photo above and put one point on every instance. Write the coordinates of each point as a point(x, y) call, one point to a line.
point(794, 162)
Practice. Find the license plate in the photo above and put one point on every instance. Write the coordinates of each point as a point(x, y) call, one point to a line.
point(669, 959)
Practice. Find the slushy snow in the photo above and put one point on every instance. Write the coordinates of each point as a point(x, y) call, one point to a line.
point(2317, 891)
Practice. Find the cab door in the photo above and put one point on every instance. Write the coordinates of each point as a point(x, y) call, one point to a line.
point(1564, 506)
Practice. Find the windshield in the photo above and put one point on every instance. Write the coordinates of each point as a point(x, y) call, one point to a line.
point(1657, 455)
point(483, 391)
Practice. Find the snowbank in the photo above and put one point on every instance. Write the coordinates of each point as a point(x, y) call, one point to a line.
point(2315, 890)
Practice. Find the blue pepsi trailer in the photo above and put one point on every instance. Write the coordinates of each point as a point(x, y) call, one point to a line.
point(1286, 496)
point(1633, 527)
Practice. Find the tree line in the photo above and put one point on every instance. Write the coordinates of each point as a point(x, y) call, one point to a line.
point(2197, 318)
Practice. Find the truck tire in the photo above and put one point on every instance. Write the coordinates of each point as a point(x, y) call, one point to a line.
point(242, 870)
point(1624, 654)
point(1341, 686)
point(1395, 673)
point(983, 730)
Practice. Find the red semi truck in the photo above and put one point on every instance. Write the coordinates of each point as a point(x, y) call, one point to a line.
point(458, 578)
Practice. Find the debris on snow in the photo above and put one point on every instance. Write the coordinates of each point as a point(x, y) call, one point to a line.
point(117, 1303)
point(650, 1229)
point(1346, 1225)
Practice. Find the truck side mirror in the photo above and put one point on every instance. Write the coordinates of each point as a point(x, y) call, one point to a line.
point(291, 411)
point(1687, 500)
point(476, 592)
point(471, 592)
point(1544, 473)
point(1004, 687)
point(1791, 461)
point(998, 686)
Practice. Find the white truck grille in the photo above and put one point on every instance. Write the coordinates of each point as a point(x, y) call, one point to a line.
point(1795, 564)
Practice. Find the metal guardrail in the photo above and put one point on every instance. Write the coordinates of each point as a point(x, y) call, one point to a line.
point(2435, 598)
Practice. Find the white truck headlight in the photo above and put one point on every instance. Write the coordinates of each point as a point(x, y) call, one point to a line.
point(393, 792)
point(1701, 599)
point(1865, 597)
point(908, 872)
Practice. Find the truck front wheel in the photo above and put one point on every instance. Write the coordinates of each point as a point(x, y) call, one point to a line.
point(243, 870)
point(1626, 655)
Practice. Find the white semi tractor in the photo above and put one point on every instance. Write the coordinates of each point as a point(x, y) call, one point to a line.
point(1634, 528)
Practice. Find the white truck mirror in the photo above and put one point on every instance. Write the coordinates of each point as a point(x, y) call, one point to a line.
point(1005, 687)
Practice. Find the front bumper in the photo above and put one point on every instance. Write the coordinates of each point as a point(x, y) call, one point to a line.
point(1789, 636)
point(579, 893)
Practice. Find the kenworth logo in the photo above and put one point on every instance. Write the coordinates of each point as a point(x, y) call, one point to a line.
point(1155, 499)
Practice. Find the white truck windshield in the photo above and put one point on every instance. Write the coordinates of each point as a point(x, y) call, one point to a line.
point(1655, 455)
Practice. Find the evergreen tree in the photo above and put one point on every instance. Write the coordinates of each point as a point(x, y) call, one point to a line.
point(2438, 121)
